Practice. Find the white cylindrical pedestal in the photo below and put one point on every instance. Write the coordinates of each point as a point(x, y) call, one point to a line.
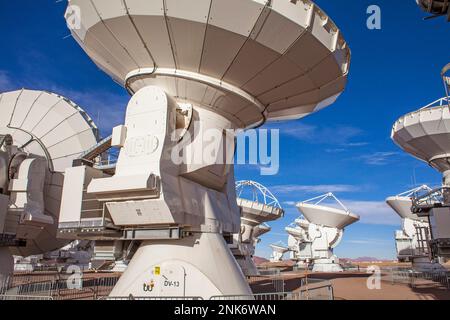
point(326, 265)
point(197, 266)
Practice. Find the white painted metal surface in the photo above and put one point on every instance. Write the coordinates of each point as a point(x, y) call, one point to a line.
point(239, 63)
point(257, 213)
point(47, 125)
point(258, 205)
point(261, 229)
point(249, 60)
point(402, 206)
point(409, 246)
point(200, 266)
point(296, 232)
point(48, 132)
point(327, 216)
point(402, 203)
point(313, 240)
point(425, 134)
point(278, 251)
point(150, 190)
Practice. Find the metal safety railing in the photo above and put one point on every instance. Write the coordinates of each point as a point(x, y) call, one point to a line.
point(66, 287)
point(272, 282)
point(416, 278)
point(19, 297)
point(269, 272)
point(303, 294)
point(131, 297)
point(275, 296)
point(30, 287)
point(321, 292)
point(314, 289)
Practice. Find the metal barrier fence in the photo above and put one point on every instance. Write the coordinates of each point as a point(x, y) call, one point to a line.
point(323, 291)
point(416, 278)
point(315, 289)
point(353, 269)
point(16, 297)
point(302, 294)
point(269, 272)
point(299, 268)
point(150, 298)
point(19, 278)
point(4, 284)
point(262, 296)
point(64, 288)
point(275, 282)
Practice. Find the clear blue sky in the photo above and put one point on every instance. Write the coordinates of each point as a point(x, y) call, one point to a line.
point(345, 148)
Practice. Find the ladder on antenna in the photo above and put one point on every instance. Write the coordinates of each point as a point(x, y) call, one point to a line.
point(423, 238)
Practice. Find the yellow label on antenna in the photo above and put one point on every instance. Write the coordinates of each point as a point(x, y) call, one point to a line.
point(157, 271)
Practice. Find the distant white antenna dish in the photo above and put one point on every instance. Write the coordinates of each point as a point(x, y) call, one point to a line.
point(324, 215)
point(313, 239)
point(402, 202)
point(295, 231)
point(280, 246)
point(278, 250)
point(411, 241)
point(258, 206)
point(261, 229)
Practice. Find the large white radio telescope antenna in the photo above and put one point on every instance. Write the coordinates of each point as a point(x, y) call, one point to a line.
point(239, 63)
point(41, 134)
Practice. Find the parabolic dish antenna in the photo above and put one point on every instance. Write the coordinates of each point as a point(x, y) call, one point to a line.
point(248, 60)
point(51, 126)
point(261, 229)
point(302, 223)
point(279, 247)
point(238, 63)
point(295, 232)
point(259, 204)
point(402, 203)
point(326, 216)
point(278, 250)
point(425, 134)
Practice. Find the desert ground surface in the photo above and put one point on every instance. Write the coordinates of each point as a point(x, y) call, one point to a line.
point(353, 285)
